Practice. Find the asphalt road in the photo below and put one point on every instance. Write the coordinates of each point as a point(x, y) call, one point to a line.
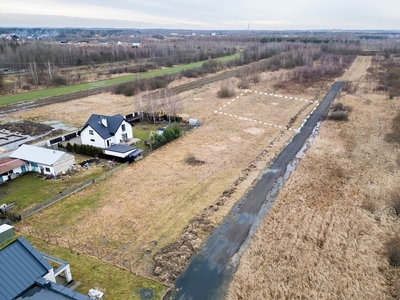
point(211, 270)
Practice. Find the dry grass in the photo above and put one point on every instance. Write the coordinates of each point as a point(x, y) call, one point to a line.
point(318, 242)
point(137, 211)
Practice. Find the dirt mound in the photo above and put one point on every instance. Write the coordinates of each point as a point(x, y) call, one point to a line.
point(27, 128)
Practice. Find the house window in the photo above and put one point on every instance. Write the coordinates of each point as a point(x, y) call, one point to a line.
point(124, 136)
point(91, 132)
point(123, 127)
point(47, 169)
point(33, 164)
point(92, 140)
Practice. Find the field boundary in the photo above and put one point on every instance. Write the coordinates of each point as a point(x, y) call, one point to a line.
point(220, 112)
point(66, 193)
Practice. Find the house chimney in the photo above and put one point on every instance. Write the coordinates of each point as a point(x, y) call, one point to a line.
point(104, 121)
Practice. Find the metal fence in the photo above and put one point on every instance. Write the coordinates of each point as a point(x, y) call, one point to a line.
point(64, 194)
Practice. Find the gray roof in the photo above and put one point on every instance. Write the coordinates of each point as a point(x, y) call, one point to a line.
point(120, 148)
point(47, 290)
point(21, 271)
point(136, 152)
point(20, 266)
point(113, 124)
point(38, 154)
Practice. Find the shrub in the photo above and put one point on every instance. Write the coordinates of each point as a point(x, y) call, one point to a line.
point(192, 160)
point(128, 91)
point(393, 251)
point(338, 106)
point(26, 87)
point(170, 133)
point(225, 92)
point(243, 85)
point(255, 78)
point(59, 80)
point(338, 115)
point(84, 149)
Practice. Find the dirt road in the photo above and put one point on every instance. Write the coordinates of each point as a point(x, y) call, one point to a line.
point(210, 272)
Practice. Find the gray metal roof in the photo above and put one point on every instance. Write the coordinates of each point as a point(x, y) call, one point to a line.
point(47, 290)
point(38, 154)
point(20, 266)
point(136, 152)
point(105, 132)
point(120, 148)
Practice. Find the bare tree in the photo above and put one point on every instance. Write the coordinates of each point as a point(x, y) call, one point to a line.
point(34, 73)
point(50, 69)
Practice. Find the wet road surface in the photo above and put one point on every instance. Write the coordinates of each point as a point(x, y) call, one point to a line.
point(210, 272)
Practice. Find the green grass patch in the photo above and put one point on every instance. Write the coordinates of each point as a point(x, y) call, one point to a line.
point(93, 273)
point(35, 95)
point(142, 132)
point(30, 188)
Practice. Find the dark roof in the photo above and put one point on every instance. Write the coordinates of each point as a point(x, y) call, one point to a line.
point(113, 124)
point(136, 152)
point(47, 290)
point(20, 266)
point(9, 164)
point(120, 148)
point(21, 271)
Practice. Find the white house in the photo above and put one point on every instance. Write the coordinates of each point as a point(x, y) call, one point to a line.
point(105, 131)
point(135, 43)
point(11, 168)
point(44, 161)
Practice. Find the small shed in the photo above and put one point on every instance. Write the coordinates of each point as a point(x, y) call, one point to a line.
point(6, 233)
point(160, 131)
point(194, 122)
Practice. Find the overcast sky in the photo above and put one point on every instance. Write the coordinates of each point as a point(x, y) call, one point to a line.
point(203, 14)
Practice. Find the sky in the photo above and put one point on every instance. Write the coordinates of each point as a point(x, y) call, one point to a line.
point(203, 14)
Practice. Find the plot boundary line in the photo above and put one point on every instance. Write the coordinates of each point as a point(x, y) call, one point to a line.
point(219, 111)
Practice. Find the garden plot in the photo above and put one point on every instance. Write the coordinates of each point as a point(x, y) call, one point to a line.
point(267, 109)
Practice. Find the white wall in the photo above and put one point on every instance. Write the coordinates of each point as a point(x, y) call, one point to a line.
point(50, 276)
point(128, 131)
point(86, 138)
point(64, 163)
point(15, 171)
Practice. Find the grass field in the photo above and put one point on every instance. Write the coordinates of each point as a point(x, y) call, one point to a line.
point(34, 95)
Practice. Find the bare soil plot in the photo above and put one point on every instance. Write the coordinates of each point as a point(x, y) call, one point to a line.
point(248, 105)
point(318, 241)
point(128, 217)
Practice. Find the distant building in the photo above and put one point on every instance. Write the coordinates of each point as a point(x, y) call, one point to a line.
point(135, 43)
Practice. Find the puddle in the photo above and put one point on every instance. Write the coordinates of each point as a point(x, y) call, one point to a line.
point(59, 125)
point(145, 294)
